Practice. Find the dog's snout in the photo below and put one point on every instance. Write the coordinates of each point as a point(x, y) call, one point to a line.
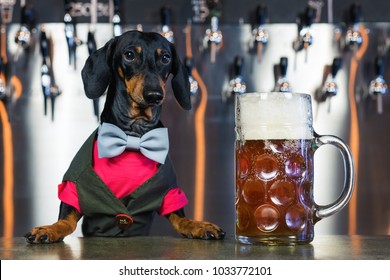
point(153, 97)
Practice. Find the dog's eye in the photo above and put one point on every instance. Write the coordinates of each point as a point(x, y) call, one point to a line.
point(129, 56)
point(165, 59)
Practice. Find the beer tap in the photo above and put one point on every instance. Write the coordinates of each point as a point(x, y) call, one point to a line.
point(194, 86)
point(23, 36)
point(378, 86)
point(305, 33)
point(189, 64)
point(166, 22)
point(116, 19)
point(282, 85)
point(330, 88)
point(236, 84)
point(213, 38)
point(259, 34)
point(46, 83)
point(3, 86)
point(6, 13)
point(49, 88)
point(353, 38)
point(70, 33)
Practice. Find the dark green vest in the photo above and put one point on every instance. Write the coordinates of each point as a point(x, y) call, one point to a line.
point(100, 206)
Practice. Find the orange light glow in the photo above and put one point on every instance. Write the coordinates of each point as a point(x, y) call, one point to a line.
point(200, 161)
point(354, 139)
point(18, 88)
point(8, 202)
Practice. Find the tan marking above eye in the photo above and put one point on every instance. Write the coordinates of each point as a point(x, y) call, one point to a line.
point(138, 49)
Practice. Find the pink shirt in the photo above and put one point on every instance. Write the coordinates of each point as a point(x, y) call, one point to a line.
point(123, 174)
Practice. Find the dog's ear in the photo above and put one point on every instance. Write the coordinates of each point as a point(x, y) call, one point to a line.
point(96, 73)
point(180, 81)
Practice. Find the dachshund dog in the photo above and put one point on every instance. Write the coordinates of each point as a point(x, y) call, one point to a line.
point(134, 69)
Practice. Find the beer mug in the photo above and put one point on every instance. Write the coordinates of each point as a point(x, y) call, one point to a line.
point(274, 150)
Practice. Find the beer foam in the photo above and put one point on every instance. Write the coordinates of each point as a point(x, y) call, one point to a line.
point(273, 115)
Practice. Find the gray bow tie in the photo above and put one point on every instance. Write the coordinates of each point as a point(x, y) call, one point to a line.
point(112, 141)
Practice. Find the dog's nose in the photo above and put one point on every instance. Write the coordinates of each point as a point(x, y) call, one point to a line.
point(153, 97)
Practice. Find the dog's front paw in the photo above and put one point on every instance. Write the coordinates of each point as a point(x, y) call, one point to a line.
point(203, 230)
point(43, 235)
point(195, 229)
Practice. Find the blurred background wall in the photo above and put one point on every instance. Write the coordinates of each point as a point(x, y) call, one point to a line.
point(307, 44)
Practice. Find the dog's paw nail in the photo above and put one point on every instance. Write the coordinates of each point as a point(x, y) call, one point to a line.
point(29, 237)
point(44, 239)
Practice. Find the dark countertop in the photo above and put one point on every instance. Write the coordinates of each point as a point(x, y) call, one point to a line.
point(338, 247)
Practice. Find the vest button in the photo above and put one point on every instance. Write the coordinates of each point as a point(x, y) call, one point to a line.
point(123, 221)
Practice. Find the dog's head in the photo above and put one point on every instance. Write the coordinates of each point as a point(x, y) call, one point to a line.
point(135, 67)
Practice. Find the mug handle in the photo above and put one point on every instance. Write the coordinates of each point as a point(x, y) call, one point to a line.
point(324, 211)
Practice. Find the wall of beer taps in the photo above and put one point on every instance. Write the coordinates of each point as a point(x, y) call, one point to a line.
point(337, 51)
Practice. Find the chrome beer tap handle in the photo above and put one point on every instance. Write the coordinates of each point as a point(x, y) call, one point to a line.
point(49, 87)
point(353, 37)
point(213, 38)
point(189, 64)
point(70, 33)
point(28, 19)
point(116, 19)
point(330, 88)
point(305, 33)
point(378, 87)
point(3, 85)
point(236, 84)
point(282, 85)
point(166, 23)
point(260, 36)
point(46, 84)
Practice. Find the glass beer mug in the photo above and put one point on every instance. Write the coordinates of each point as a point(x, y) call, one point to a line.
point(274, 150)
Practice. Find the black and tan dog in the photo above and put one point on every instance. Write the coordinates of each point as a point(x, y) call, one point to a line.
point(135, 67)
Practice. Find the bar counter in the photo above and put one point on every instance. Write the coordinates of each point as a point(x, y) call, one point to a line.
point(332, 247)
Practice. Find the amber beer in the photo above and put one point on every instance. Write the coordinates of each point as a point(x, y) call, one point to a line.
point(273, 188)
point(274, 152)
